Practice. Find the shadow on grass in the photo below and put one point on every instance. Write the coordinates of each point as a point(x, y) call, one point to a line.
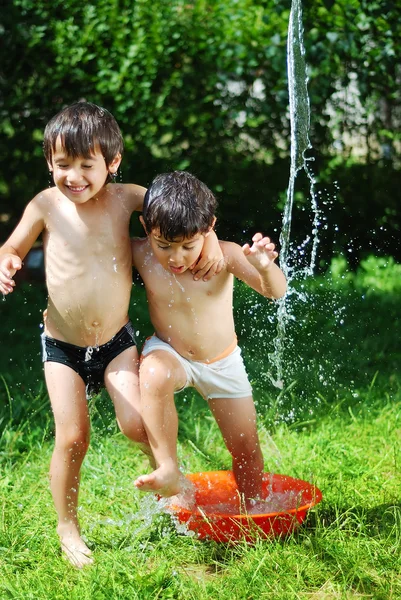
point(380, 521)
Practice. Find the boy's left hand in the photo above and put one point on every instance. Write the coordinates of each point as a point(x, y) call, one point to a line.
point(262, 253)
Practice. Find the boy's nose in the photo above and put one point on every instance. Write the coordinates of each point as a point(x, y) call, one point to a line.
point(175, 257)
point(74, 176)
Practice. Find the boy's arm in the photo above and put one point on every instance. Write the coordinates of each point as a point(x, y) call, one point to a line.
point(137, 251)
point(13, 252)
point(256, 267)
point(134, 246)
point(211, 260)
point(136, 194)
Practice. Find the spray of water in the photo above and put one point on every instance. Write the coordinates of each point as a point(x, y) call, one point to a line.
point(300, 143)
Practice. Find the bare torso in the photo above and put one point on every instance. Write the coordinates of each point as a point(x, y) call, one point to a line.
point(88, 264)
point(194, 317)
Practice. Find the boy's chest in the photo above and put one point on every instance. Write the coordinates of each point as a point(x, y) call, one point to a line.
point(183, 292)
point(90, 230)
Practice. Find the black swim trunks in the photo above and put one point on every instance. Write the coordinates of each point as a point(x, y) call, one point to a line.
point(89, 362)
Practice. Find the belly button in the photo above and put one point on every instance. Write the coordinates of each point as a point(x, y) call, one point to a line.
point(95, 324)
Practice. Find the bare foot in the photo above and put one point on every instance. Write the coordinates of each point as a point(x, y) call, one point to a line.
point(186, 497)
point(73, 547)
point(164, 480)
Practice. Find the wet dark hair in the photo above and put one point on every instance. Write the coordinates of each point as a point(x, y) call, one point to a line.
point(82, 126)
point(178, 205)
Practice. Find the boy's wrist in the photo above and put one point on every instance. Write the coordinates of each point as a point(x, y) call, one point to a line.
point(266, 269)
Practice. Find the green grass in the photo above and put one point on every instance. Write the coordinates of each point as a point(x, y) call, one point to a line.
point(337, 423)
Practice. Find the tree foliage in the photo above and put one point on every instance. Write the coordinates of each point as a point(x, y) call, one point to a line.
point(202, 85)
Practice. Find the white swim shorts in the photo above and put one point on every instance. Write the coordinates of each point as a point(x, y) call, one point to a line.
point(224, 378)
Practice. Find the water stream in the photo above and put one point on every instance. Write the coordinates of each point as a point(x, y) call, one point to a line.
point(300, 122)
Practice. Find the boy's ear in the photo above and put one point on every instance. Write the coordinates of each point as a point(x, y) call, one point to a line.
point(50, 166)
point(115, 163)
point(211, 226)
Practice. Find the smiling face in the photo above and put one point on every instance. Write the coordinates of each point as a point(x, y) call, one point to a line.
point(179, 255)
point(80, 178)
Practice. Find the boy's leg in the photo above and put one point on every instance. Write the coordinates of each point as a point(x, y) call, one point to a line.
point(122, 383)
point(236, 418)
point(68, 400)
point(161, 374)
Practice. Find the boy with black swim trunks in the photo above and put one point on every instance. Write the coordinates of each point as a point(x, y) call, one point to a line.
point(88, 339)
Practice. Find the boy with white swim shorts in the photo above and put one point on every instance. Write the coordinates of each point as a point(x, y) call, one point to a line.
point(195, 342)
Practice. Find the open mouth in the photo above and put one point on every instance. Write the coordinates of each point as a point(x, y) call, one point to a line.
point(77, 189)
point(176, 269)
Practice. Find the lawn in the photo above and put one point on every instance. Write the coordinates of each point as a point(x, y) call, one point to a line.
point(335, 422)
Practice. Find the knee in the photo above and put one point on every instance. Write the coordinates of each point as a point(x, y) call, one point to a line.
point(73, 442)
point(156, 376)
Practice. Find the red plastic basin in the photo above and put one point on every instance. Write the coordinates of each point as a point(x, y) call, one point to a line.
point(216, 512)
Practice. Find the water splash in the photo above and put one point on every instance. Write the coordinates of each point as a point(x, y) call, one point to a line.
point(300, 144)
point(151, 511)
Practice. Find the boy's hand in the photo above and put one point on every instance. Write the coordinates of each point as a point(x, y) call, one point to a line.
point(9, 264)
point(211, 261)
point(207, 266)
point(262, 253)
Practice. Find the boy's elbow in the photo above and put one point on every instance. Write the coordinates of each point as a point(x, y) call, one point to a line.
point(280, 294)
point(282, 290)
point(275, 294)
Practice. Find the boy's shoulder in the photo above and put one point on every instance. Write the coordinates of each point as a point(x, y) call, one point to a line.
point(229, 248)
point(131, 189)
point(45, 197)
point(234, 257)
point(47, 193)
point(226, 245)
point(132, 193)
